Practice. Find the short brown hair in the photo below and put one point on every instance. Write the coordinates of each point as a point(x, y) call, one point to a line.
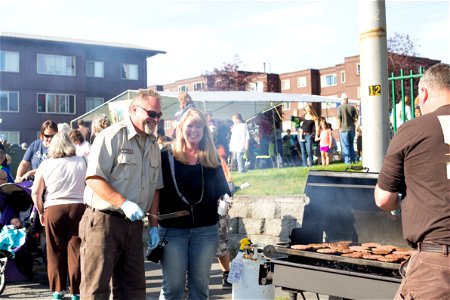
point(49, 124)
point(76, 136)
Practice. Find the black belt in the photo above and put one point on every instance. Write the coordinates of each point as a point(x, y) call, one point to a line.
point(111, 213)
point(430, 247)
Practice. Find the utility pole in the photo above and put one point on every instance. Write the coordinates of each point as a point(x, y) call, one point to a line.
point(374, 82)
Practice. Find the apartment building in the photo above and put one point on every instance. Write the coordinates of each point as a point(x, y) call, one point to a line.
point(260, 82)
point(53, 78)
point(331, 81)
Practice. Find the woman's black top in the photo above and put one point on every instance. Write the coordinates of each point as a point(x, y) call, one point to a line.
point(308, 126)
point(189, 181)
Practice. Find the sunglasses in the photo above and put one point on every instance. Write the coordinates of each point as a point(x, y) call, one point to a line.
point(49, 136)
point(151, 113)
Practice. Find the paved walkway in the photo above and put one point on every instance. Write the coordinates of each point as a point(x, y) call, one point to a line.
point(36, 290)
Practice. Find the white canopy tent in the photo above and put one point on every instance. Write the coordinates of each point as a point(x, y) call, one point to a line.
point(222, 104)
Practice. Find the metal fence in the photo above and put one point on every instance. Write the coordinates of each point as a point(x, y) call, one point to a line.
point(401, 86)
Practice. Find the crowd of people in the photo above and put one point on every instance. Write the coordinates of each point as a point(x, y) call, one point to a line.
point(93, 188)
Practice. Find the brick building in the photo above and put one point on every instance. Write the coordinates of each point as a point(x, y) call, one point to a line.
point(59, 79)
point(331, 81)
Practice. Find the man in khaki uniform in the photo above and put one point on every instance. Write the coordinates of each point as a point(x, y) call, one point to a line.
point(124, 171)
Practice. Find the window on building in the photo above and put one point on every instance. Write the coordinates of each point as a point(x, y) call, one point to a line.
point(183, 88)
point(9, 101)
point(94, 68)
point(342, 76)
point(286, 105)
point(198, 86)
point(130, 72)
point(56, 103)
point(257, 86)
point(93, 102)
point(301, 82)
point(328, 80)
point(358, 69)
point(167, 125)
point(56, 65)
point(285, 84)
point(13, 137)
point(9, 61)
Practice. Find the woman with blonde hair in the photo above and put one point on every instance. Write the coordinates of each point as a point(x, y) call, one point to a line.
point(99, 123)
point(310, 124)
point(193, 182)
point(61, 178)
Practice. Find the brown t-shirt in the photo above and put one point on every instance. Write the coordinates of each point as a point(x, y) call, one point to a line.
point(417, 158)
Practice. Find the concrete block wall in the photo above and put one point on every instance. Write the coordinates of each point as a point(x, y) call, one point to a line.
point(266, 220)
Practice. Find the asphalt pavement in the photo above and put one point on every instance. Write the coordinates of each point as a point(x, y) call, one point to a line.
point(38, 288)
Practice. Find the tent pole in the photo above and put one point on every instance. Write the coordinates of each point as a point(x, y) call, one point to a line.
point(275, 137)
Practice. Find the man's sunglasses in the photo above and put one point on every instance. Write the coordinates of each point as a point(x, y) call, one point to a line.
point(151, 113)
point(49, 136)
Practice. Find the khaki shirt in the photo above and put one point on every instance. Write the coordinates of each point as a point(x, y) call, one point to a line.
point(116, 156)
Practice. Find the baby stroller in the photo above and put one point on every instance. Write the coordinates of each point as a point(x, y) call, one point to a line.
point(18, 247)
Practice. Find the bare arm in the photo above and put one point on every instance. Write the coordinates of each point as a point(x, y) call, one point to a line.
point(23, 171)
point(154, 210)
point(385, 200)
point(105, 191)
point(318, 129)
point(36, 194)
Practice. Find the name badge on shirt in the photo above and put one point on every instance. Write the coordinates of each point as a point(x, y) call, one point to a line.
point(126, 151)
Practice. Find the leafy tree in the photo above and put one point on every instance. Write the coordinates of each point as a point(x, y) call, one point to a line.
point(401, 52)
point(229, 78)
point(402, 55)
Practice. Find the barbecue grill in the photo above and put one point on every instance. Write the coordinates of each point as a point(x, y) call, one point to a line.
point(341, 208)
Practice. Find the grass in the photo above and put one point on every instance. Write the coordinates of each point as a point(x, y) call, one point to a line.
point(279, 181)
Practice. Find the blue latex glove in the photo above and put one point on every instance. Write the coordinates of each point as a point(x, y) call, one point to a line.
point(132, 210)
point(154, 238)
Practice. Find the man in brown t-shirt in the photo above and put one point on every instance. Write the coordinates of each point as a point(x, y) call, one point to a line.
point(417, 165)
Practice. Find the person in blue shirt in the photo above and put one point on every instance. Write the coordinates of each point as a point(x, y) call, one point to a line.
point(36, 152)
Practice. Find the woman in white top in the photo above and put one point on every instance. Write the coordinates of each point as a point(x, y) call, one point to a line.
point(61, 176)
point(82, 147)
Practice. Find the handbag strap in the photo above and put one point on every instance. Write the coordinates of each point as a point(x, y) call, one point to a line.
point(172, 171)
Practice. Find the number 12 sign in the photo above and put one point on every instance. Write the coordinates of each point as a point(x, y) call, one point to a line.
point(375, 90)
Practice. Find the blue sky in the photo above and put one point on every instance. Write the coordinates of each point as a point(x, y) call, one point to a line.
point(201, 35)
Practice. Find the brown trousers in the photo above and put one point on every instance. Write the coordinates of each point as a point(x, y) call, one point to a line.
point(427, 277)
point(111, 248)
point(63, 246)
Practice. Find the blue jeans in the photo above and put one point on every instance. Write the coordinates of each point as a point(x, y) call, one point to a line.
point(347, 149)
point(239, 157)
point(191, 251)
point(307, 150)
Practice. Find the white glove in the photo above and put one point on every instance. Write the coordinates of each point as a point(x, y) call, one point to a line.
point(132, 210)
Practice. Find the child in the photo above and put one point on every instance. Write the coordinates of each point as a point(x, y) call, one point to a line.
point(16, 222)
point(325, 141)
point(417, 111)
